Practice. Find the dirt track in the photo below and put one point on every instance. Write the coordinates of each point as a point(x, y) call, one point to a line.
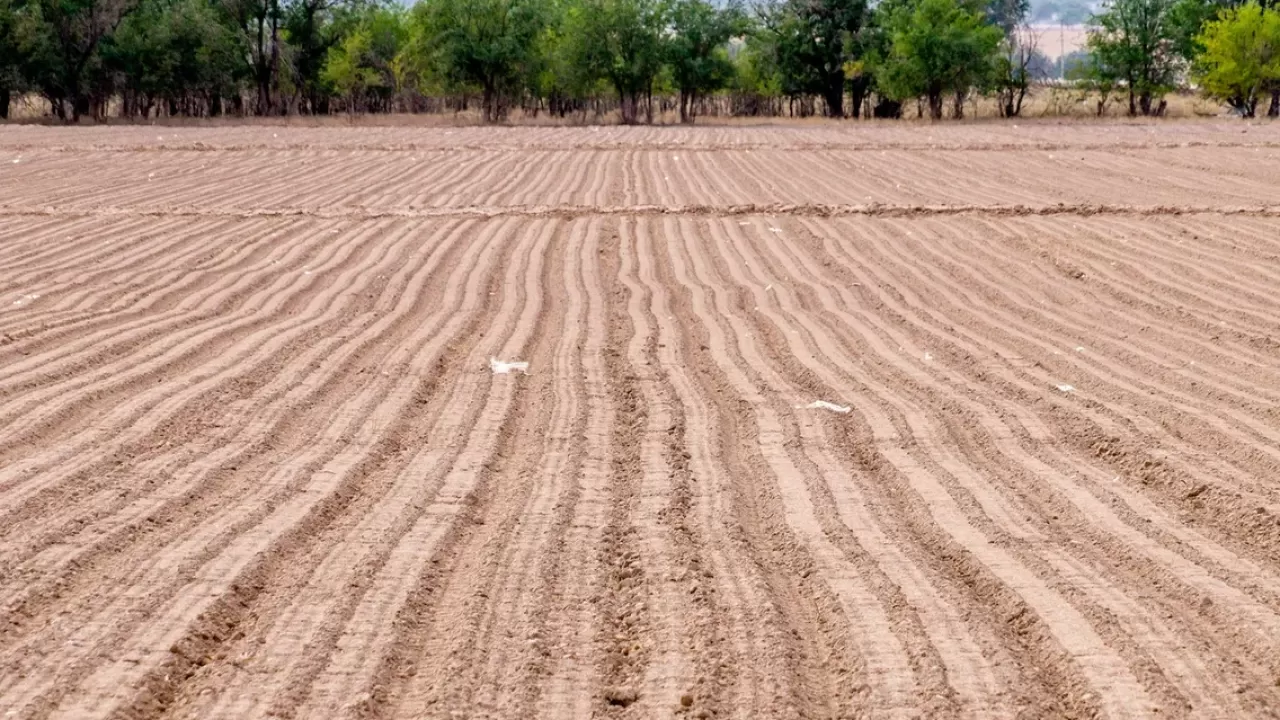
point(254, 463)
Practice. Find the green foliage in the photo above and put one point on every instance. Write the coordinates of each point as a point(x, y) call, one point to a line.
point(1007, 14)
point(14, 38)
point(697, 50)
point(1133, 45)
point(937, 47)
point(1241, 58)
point(311, 29)
point(204, 57)
point(363, 66)
point(61, 58)
point(489, 45)
point(620, 42)
point(175, 52)
point(814, 43)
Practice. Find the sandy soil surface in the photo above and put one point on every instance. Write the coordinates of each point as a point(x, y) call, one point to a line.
point(255, 461)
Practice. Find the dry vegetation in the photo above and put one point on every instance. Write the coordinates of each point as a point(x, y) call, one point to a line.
point(254, 461)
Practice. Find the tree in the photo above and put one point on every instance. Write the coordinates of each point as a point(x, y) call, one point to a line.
point(11, 53)
point(1189, 18)
point(696, 50)
point(1133, 42)
point(312, 28)
point(362, 67)
point(1008, 15)
point(816, 42)
point(1083, 69)
point(1013, 69)
point(937, 47)
point(179, 53)
point(1241, 58)
point(621, 42)
point(62, 43)
point(487, 44)
point(258, 21)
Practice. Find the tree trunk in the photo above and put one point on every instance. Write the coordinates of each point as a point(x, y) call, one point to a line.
point(489, 101)
point(628, 107)
point(80, 106)
point(5, 99)
point(935, 105)
point(1144, 103)
point(684, 108)
point(958, 107)
point(275, 58)
point(858, 95)
point(835, 99)
point(263, 69)
point(1274, 109)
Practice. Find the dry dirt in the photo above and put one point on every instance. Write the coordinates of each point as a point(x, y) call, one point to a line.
point(254, 462)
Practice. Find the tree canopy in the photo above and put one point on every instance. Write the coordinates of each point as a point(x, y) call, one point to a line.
point(153, 58)
point(1241, 58)
point(938, 47)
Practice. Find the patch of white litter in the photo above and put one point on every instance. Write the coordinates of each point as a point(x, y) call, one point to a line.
point(1066, 388)
point(824, 405)
point(502, 367)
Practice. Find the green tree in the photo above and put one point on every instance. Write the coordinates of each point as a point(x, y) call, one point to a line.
point(1132, 44)
point(177, 53)
point(491, 45)
point(815, 44)
point(1007, 15)
point(311, 29)
point(756, 83)
point(937, 47)
point(258, 22)
point(1012, 70)
point(11, 54)
point(363, 66)
point(1241, 58)
point(62, 58)
point(697, 51)
point(620, 42)
point(1189, 18)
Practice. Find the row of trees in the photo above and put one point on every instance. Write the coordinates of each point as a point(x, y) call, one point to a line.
point(144, 58)
point(1147, 48)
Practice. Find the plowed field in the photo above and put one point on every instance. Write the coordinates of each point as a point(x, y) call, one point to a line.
point(255, 461)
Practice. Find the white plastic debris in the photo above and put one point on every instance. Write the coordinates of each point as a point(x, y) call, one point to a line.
point(928, 356)
point(1079, 348)
point(1066, 388)
point(824, 405)
point(775, 230)
point(502, 367)
point(768, 287)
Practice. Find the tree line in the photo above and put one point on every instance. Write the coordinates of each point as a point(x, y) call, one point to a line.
point(204, 58)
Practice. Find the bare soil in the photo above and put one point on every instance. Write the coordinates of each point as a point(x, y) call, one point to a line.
point(255, 462)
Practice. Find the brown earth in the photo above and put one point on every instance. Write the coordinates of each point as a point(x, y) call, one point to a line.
point(254, 462)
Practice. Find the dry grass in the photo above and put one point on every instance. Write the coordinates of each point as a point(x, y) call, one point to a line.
point(1057, 103)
